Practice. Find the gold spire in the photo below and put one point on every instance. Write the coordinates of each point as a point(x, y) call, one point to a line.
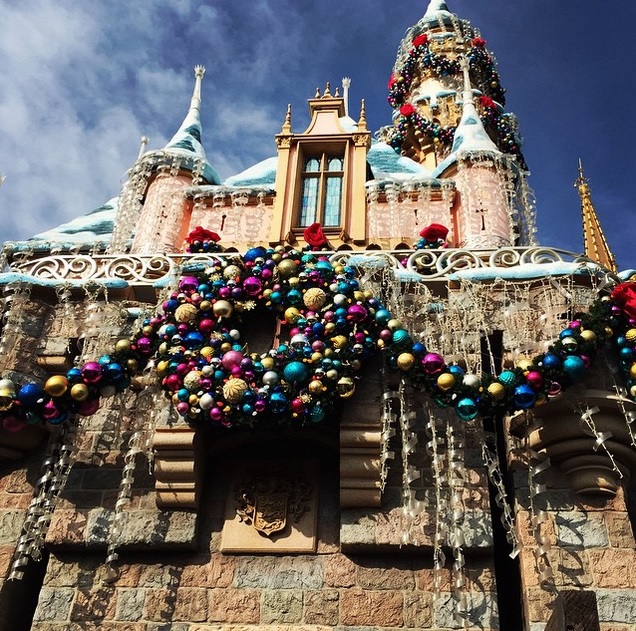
point(594, 241)
point(287, 127)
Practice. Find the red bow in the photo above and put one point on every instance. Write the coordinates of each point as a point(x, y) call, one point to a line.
point(314, 235)
point(201, 234)
point(434, 232)
point(420, 40)
point(407, 110)
point(624, 295)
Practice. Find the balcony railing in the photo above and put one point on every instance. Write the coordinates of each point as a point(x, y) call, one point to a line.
point(426, 265)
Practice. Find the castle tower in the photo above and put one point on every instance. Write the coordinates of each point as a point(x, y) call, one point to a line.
point(164, 222)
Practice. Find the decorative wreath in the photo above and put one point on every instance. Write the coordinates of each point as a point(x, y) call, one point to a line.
point(328, 326)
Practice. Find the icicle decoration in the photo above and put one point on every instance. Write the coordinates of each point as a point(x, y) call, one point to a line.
point(57, 465)
point(495, 476)
point(587, 425)
point(456, 482)
point(435, 447)
point(14, 293)
point(411, 507)
point(537, 464)
point(389, 420)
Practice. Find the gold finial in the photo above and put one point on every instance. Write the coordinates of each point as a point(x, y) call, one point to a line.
point(317, 95)
point(287, 128)
point(327, 90)
point(362, 123)
point(337, 92)
point(594, 242)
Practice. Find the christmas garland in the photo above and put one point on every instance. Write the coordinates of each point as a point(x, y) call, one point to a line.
point(331, 325)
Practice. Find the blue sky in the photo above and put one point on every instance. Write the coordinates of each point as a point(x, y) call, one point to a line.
point(81, 82)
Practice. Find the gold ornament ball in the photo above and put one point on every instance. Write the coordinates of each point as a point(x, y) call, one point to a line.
point(497, 391)
point(332, 374)
point(287, 268)
point(148, 330)
point(291, 315)
point(80, 392)
point(345, 387)
point(56, 386)
point(405, 361)
point(222, 309)
point(339, 341)
point(122, 346)
point(205, 305)
point(185, 313)
point(316, 357)
point(630, 336)
point(446, 381)
point(193, 400)
point(314, 298)
point(231, 272)
point(632, 391)
point(632, 371)
point(359, 296)
point(524, 363)
point(588, 335)
point(207, 352)
point(394, 324)
point(162, 367)
point(132, 365)
point(234, 390)
point(192, 380)
point(315, 387)
point(268, 363)
point(225, 347)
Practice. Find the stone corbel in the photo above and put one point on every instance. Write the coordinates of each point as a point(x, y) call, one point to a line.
point(178, 465)
point(360, 449)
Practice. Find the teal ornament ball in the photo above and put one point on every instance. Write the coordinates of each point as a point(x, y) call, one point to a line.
point(507, 378)
point(524, 397)
point(467, 409)
point(401, 338)
point(296, 372)
point(278, 403)
point(574, 367)
point(316, 414)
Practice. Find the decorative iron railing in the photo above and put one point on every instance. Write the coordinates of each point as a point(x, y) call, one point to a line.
point(431, 265)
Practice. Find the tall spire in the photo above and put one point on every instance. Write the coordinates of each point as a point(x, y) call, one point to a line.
point(434, 6)
point(470, 134)
point(594, 242)
point(187, 141)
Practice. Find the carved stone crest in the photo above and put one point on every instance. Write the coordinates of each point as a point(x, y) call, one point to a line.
point(267, 501)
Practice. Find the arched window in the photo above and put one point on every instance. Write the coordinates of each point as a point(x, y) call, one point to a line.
point(321, 192)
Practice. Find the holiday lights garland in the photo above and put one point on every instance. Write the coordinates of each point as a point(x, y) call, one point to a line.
point(332, 325)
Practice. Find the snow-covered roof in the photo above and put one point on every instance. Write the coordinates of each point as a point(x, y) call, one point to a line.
point(386, 163)
point(94, 229)
point(526, 271)
point(259, 174)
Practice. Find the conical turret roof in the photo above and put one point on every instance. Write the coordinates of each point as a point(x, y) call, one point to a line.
point(187, 140)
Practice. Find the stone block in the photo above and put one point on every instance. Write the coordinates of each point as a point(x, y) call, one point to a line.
point(94, 605)
point(571, 567)
point(11, 522)
point(130, 604)
point(281, 607)
point(482, 611)
point(378, 608)
point(418, 610)
point(54, 604)
point(619, 529)
point(582, 530)
point(191, 605)
point(613, 568)
point(234, 605)
point(356, 528)
point(215, 571)
point(301, 572)
point(540, 604)
point(339, 571)
point(159, 605)
point(384, 575)
point(616, 605)
point(321, 606)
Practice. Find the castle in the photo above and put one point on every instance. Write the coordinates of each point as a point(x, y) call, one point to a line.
point(343, 389)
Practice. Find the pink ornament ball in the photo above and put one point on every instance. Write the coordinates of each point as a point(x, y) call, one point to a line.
point(91, 372)
point(231, 359)
point(89, 407)
point(172, 382)
point(535, 379)
point(183, 408)
point(357, 313)
point(432, 363)
point(144, 345)
point(13, 424)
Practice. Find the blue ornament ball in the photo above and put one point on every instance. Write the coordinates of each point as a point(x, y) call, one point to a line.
point(524, 397)
point(550, 360)
point(278, 403)
point(31, 394)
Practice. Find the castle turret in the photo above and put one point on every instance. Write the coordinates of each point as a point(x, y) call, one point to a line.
point(160, 177)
